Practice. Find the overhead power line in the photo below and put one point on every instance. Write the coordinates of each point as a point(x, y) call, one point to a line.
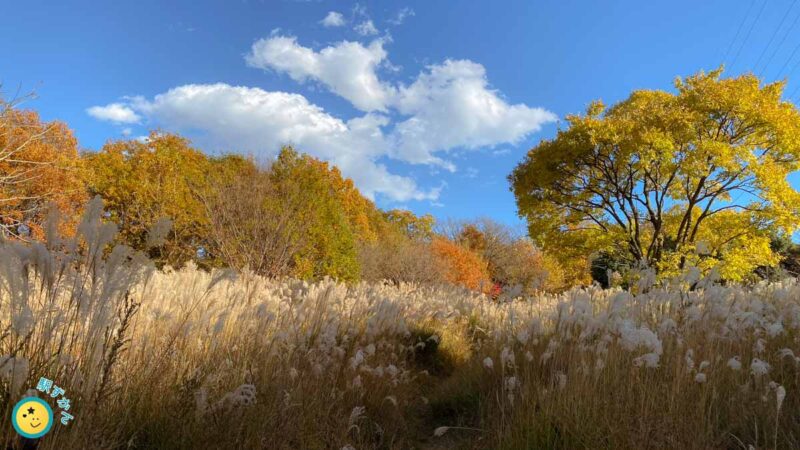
point(780, 44)
point(791, 72)
point(749, 32)
point(738, 30)
point(774, 33)
point(791, 57)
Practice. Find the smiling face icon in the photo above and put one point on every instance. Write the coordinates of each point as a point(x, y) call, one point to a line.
point(32, 417)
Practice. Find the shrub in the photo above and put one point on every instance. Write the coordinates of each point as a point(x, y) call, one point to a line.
point(461, 265)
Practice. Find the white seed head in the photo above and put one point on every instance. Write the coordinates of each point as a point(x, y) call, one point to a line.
point(440, 431)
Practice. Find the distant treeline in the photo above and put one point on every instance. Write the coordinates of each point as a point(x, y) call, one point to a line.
point(695, 181)
point(296, 216)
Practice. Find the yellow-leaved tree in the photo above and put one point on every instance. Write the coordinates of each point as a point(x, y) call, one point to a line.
point(144, 182)
point(698, 176)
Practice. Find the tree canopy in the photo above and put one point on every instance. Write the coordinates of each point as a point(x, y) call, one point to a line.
point(142, 181)
point(325, 207)
point(39, 165)
point(666, 178)
point(693, 177)
point(462, 266)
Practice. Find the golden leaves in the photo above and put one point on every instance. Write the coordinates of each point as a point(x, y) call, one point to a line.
point(712, 155)
point(39, 164)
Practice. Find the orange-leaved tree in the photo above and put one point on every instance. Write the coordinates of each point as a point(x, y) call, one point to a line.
point(39, 165)
point(461, 265)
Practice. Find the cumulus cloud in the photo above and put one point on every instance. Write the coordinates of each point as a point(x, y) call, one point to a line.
point(401, 16)
point(114, 112)
point(260, 122)
point(347, 68)
point(451, 106)
point(448, 106)
point(333, 19)
point(366, 28)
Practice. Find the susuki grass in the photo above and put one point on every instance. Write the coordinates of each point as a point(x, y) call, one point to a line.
point(191, 359)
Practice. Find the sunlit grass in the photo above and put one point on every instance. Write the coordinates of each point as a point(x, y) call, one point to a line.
point(190, 359)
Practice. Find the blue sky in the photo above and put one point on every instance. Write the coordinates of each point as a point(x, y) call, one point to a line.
point(427, 105)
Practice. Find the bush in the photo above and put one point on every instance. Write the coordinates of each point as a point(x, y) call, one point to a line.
point(398, 259)
point(461, 266)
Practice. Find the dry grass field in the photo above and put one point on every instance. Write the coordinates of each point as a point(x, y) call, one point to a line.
point(190, 359)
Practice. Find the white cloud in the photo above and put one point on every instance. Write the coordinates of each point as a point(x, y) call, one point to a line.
point(359, 10)
point(333, 19)
point(114, 112)
point(401, 16)
point(448, 106)
point(257, 121)
point(366, 28)
point(126, 132)
point(347, 68)
point(452, 106)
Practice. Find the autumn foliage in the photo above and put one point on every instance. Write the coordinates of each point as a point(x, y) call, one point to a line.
point(697, 178)
point(143, 181)
point(39, 165)
point(294, 216)
point(462, 266)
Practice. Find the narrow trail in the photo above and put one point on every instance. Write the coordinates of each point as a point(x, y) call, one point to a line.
point(449, 405)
